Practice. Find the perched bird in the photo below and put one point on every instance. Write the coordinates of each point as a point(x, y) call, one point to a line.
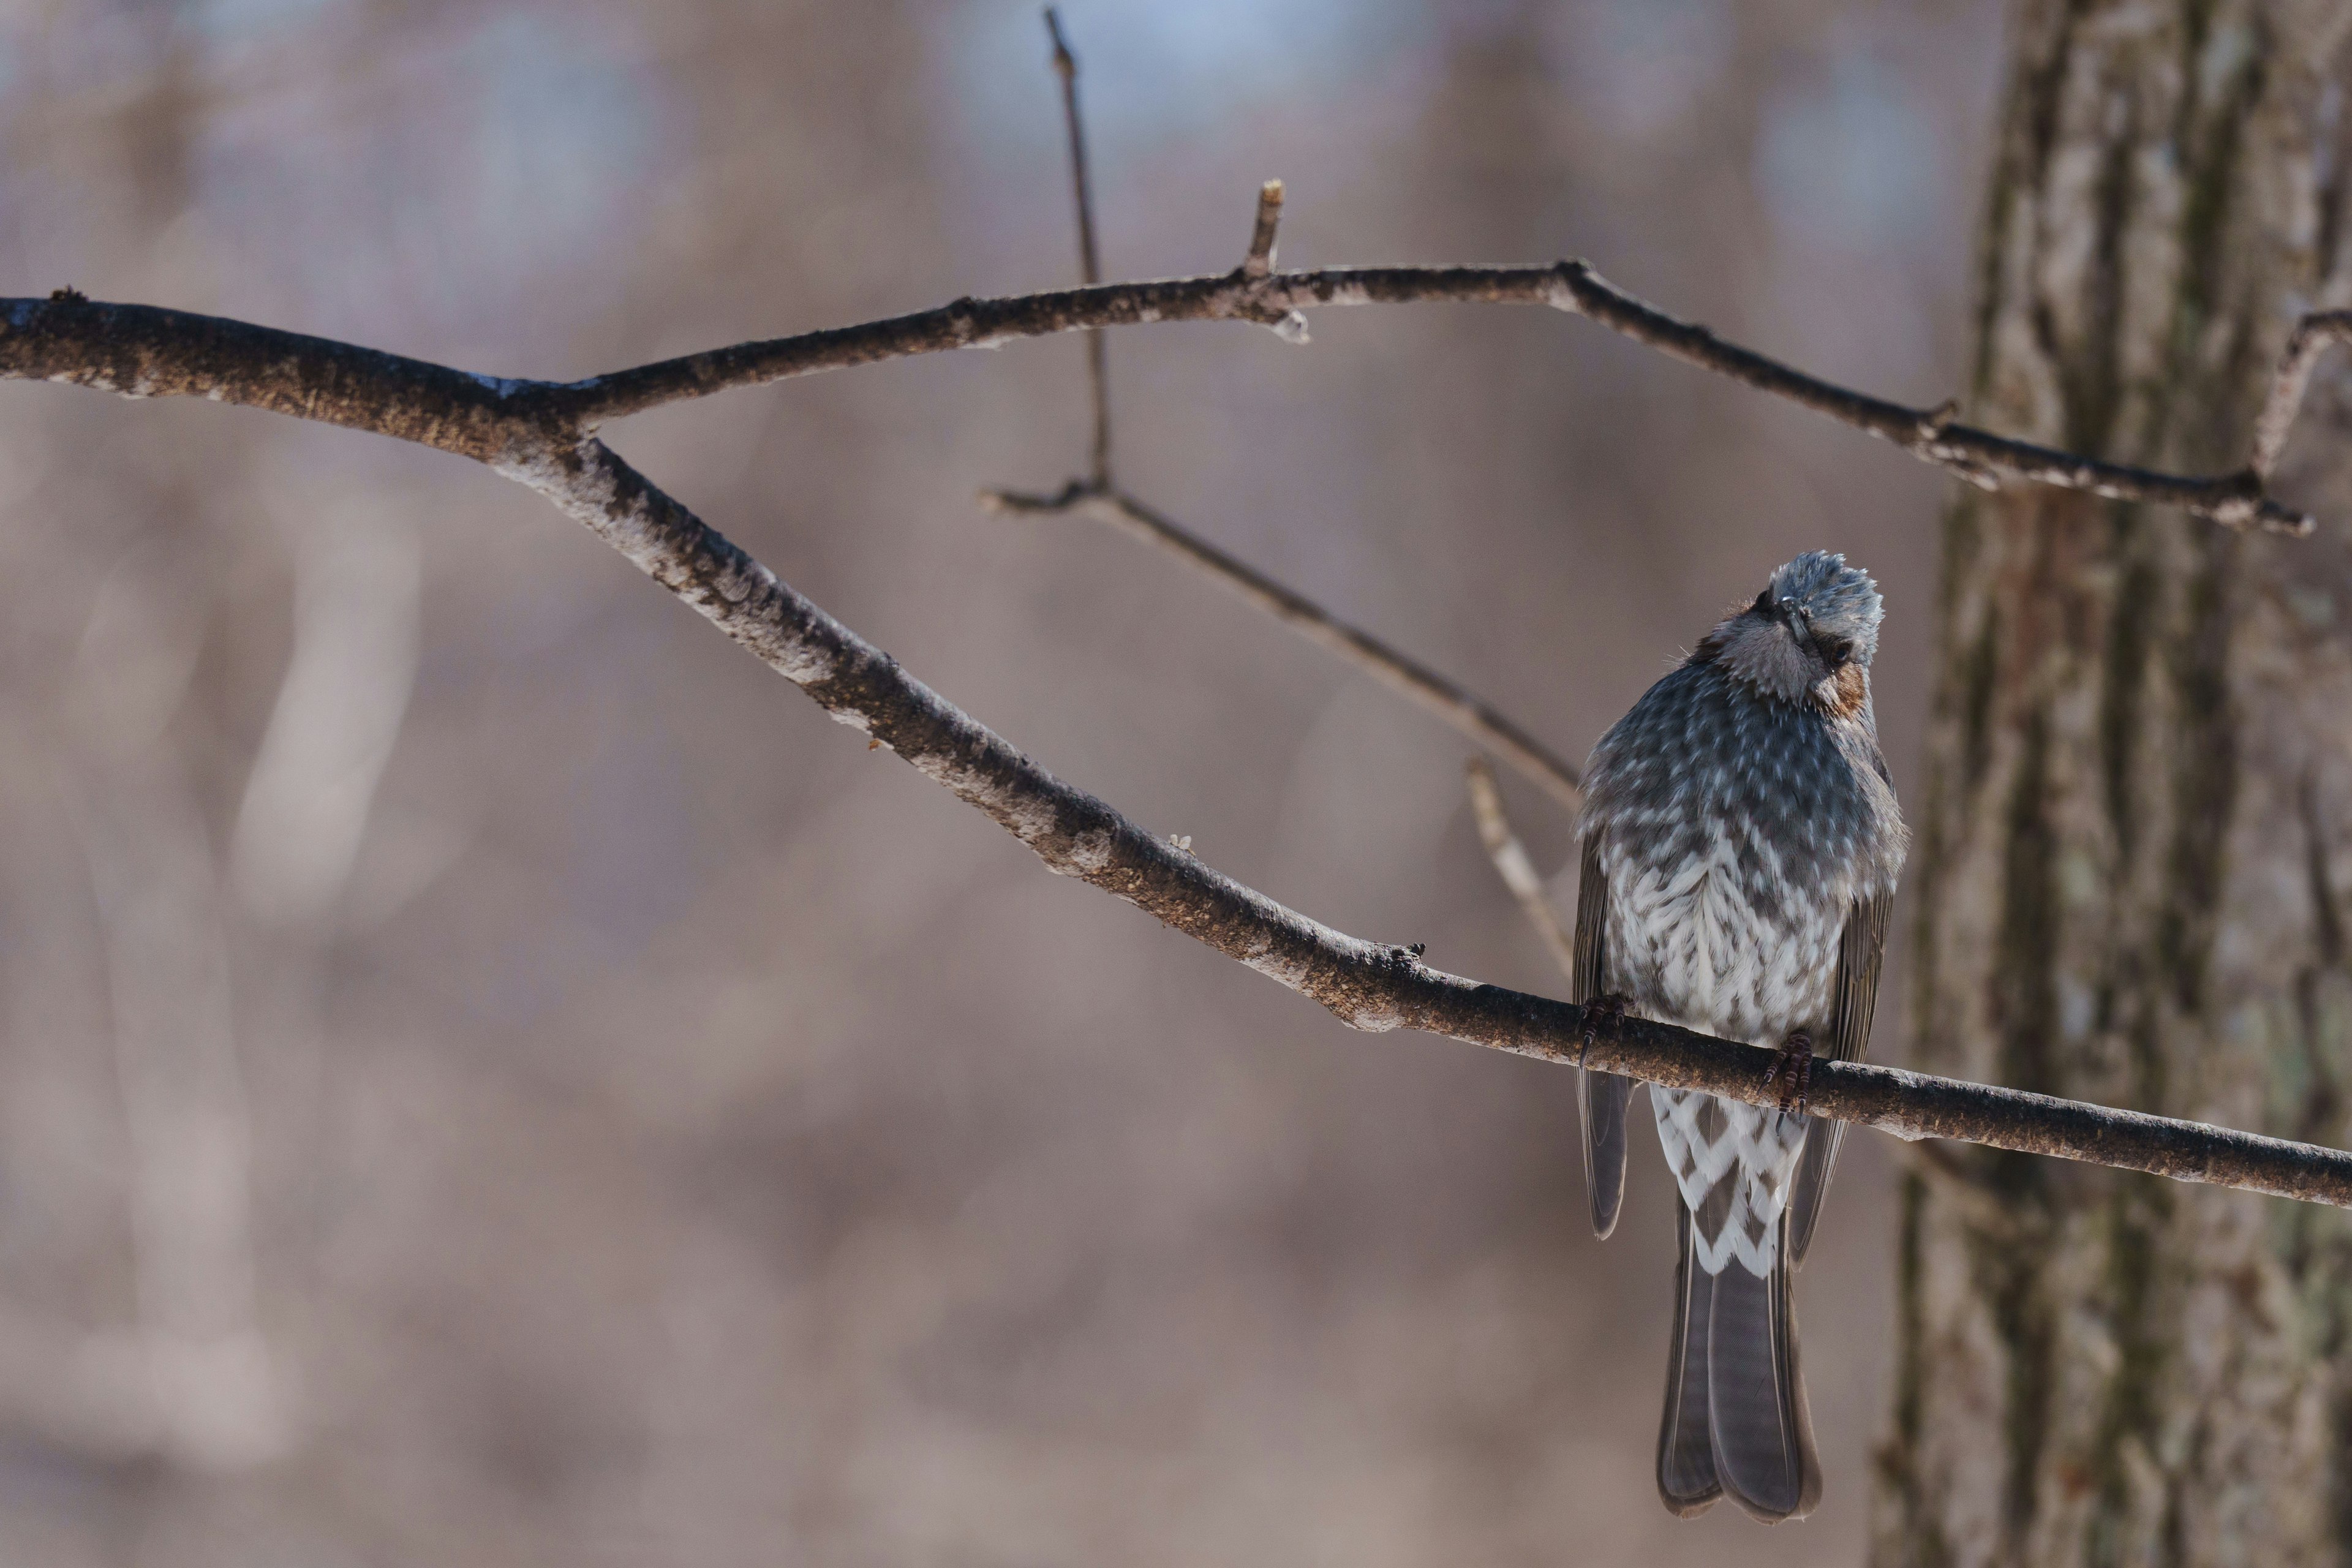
point(1741, 844)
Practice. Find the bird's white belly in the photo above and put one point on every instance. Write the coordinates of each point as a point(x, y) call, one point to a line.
point(1689, 945)
point(1692, 946)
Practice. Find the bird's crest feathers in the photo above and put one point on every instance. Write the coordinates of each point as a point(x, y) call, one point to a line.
point(1838, 597)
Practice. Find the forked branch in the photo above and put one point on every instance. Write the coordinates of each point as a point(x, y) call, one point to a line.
point(1100, 497)
point(1932, 435)
point(140, 350)
point(536, 433)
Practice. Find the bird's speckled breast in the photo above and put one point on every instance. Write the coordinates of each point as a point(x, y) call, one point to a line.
point(1737, 834)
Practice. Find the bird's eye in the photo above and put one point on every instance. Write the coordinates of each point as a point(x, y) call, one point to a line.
point(1835, 651)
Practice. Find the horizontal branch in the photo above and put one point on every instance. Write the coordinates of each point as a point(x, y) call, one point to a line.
point(989, 323)
point(143, 351)
point(138, 350)
point(1434, 692)
point(1932, 435)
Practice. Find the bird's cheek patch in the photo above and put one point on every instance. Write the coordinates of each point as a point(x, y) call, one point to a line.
point(1849, 690)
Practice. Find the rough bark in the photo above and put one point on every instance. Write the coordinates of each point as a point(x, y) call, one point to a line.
point(2136, 840)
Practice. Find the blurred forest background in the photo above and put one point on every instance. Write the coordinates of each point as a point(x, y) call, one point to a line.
point(490, 1075)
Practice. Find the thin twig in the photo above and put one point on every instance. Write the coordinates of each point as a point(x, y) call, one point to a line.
point(1511, 862)
point(1066, 66)
point(146, 353)
point(1097, 497)
point(1259, 262)
point(1931, 435)
point(2311, 338)
point(1434, 692)
point(973, 324)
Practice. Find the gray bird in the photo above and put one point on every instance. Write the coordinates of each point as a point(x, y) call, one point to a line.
point(1741, 844)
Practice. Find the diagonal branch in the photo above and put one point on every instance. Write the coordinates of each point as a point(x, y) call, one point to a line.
point(1512, 864)
point(1368, 986)
point(1434, 692)
point(2311, 338)
point(1096, 496)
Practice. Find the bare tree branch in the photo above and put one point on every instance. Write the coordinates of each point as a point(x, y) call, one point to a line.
point(1931, 435)
point(141, 350)
point(143, 353)
point(1259, 262)
point(1368, 986)
point(104, 345)
point(1511, 862)
point(1066, 66)
point(2311, 338)
point(1097, 497)
point(1434, 692)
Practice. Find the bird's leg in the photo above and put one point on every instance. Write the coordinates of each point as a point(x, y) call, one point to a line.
point(1795, 1058)
point(1609, 1006)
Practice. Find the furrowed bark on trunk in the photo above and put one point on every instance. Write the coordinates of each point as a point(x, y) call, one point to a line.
point(2134, 855)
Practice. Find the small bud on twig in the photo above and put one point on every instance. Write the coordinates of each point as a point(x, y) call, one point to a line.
point(1260, 259)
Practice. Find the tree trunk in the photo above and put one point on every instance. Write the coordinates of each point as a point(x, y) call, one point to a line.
point(2135, 849)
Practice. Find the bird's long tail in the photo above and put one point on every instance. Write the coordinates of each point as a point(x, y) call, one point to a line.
point(1735, 1420)
point(1686, 1475)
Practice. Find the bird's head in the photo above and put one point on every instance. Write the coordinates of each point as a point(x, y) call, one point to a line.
point(1809, 635)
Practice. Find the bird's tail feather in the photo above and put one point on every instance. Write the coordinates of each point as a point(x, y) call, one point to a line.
point(1761, 1431)
point(1686, 1475)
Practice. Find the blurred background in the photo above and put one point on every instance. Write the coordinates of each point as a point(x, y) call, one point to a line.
point(489, 1074)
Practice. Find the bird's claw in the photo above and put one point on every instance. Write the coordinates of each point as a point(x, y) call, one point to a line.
point(1794, 1058)
point(1610, 1008)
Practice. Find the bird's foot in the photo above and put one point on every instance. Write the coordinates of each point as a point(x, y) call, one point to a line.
point(1609, 1009)
point(1792, 1069)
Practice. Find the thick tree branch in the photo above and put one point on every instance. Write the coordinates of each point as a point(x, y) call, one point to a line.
point(1368, 986)
point(142, 352)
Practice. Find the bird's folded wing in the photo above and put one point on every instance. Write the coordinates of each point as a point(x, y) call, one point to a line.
point(1855, 997)
point(1600, 1097)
